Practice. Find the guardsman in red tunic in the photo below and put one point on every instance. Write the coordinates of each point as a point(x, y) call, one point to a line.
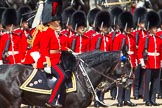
point(115, 12)
point(67, 32)
point(116, 35)
point(101, 40)
point(149, 55)
point(91, 21)
point(50, 52)
point(12, 42)
point(23, 18)
point(140, 34)
point(159, 33)
point(126, 25)
point(79, 42)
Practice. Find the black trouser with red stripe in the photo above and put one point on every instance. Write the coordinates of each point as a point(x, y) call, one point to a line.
point(60, 75)
point(150, 90)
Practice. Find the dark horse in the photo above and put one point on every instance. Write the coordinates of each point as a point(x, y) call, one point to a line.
point(95, 63)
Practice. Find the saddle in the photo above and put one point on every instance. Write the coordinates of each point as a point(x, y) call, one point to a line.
point(42, 83)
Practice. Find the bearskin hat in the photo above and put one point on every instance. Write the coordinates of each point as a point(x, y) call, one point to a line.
point(126, 20)
point(78, 19)
point(160, 15)
point(139, 15)
point(91, 15)
point(115, 12)
point(2, 9)
point(48, 15)
point(9, 17)
point(66, 15)
point(102, 18)
point(152, 19)
point(23, 13)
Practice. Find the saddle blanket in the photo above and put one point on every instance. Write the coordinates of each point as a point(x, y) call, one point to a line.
point(40, 82)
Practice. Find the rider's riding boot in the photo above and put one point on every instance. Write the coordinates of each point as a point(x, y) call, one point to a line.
point(55, 103)
point(30, 106)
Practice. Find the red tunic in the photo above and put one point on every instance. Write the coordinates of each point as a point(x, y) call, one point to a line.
point(35, 47)
point(104, 45)
point(82, 43)
point(131, 43)
point(117, 41)
point(64, 36)
point(49, 41)
point(154, 52)
point(17, 47)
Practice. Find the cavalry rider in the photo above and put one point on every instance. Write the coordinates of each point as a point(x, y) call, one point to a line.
point(50, 52)
point(67, 31)
point(140, 33)
point(126, 25)
point(115, 12)
point(79, 43)
point(12, 41)
point(101, 41)
point(149, 55)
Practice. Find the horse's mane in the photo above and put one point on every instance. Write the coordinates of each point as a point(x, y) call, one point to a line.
point(97, 56)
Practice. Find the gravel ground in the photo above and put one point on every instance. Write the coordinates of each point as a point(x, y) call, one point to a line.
point(140, 103)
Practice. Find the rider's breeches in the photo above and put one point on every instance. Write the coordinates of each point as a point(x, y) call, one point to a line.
point(59, 74)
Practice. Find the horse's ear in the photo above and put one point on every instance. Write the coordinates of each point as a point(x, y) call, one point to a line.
point(68, 60)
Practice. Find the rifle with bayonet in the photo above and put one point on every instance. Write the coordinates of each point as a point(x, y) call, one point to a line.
point(145, 53)
point(5, 51)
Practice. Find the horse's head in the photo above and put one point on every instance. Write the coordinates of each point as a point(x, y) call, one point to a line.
point(68, 61)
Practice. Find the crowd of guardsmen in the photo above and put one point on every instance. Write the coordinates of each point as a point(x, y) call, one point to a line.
point(139, 33)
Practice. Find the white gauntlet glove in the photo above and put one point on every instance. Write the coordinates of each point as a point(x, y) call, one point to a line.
point(1, 62)
point(142, 63)
point(47, 69)
point(161, 63)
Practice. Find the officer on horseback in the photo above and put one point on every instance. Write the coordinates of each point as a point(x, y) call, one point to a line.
point(50, 51)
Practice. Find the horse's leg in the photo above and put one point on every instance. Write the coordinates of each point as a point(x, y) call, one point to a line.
point(16, 103)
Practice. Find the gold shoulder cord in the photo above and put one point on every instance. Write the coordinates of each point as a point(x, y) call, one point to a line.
point(38, 28)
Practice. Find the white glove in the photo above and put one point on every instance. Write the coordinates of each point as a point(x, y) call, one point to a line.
point(142, 63)
point(35, 55)
point(161, 63)
point(1, 62)
point(47, 69)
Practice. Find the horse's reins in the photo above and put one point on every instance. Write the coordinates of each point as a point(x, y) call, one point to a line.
point(107, 77)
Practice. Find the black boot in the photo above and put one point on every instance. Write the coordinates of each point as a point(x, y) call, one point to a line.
point(55, 103)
